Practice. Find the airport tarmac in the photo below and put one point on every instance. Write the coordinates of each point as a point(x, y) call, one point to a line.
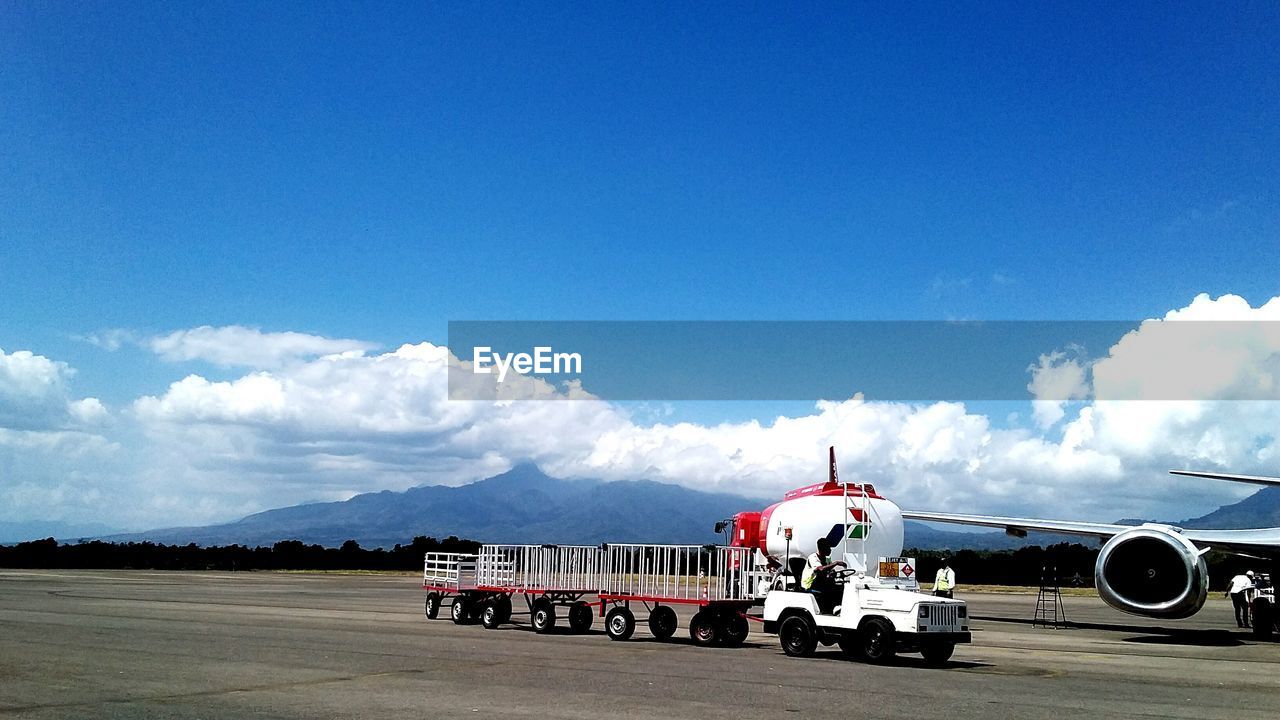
point(130, 644)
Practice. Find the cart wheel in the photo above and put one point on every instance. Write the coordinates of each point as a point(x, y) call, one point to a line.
point(504, 608)
point(702, 628)
point(798, 635)
point(877, 640)
point(580, 617)
point(937, 653)
point(460, 611)
point(433, 605)
point(662, 622)
point(492, 615)
point(619, 623)
point(733, 631)
point(544, 616)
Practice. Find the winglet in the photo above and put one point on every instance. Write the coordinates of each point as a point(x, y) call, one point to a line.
point(1251, 479)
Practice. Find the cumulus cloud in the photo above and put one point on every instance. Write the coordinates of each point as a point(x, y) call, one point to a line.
point(239, 346)
point(1056, 378)
point(34, 394)
point(305, 425)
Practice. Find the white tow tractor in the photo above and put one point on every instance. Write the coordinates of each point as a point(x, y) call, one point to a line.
point(877, 617)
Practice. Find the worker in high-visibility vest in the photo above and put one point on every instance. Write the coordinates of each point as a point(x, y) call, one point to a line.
point(818, 577)
point(945, 583)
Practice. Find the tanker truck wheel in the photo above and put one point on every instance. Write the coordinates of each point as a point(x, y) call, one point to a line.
point(702, 629)
point(937, 653)
point(544, 616)
point(798, 635)
point(580, 617)
point(433, 606)
point(619, 623)
point(662, 622)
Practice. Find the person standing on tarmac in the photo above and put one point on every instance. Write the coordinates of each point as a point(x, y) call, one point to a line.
point(1238, 592)
point(818, 578)
point(945, 583)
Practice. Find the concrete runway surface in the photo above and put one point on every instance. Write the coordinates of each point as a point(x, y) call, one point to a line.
point(126, 644)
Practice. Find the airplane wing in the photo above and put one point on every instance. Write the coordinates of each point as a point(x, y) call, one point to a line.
point(1020, 526)
point(1260, 542)
point(1252, 479)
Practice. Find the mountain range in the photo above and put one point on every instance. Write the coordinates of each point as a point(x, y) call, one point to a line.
point(524, 505)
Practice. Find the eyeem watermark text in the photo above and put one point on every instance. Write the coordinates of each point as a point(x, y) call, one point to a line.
point(543, 361)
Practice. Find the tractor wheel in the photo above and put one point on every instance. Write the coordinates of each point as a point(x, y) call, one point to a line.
point(937, 653)
point(798, 635)
point(877, 640)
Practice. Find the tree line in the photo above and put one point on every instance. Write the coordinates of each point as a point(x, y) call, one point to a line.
point(1070, 563)
point(284, 555)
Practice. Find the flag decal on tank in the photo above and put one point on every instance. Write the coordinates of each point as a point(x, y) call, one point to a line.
point(860, 527)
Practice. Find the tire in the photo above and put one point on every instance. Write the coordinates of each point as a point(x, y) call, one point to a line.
point(544, 616)
point(937, 653)
point(432, 606)
point(662, 622)
point(876, 635)
point(798, 636)
point(703, 630)
point(733, 632)
point(580, 617)
point(504, 608)
point(619, 623)
point(1263, 619)
point(460, 610)
point(492, 615)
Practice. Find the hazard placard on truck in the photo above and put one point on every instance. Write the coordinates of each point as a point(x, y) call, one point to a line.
point(897, 568)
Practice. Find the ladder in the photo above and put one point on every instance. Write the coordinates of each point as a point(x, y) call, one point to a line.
point(1049, 610)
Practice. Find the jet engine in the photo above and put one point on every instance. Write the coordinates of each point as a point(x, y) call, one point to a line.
point(1152, 570)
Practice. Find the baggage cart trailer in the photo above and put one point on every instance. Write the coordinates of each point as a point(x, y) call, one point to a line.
point(451, 577)
point(720, 581)
point(546, 576)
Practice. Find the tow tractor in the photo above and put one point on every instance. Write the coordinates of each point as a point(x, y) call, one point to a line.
point(878, 616)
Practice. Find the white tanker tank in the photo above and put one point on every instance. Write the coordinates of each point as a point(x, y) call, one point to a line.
point(859, 523)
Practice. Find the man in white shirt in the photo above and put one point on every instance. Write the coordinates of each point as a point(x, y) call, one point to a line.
point(945, 583)
point(1238, 592)
point(817, 577)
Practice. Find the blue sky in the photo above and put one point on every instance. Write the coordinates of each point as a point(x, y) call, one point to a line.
point(373, 171)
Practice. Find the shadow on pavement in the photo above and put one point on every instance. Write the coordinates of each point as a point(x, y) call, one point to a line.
point(1155, 635)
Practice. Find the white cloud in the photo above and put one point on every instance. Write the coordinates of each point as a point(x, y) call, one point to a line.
point(239, 346)
point(296, 429)
point(111, 339)
point(34, 394)
point(1057, 377)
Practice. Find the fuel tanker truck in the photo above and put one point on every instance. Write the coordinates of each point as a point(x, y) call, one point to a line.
point(878, 609)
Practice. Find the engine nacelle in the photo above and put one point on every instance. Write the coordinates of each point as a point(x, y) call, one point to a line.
point(1152, 570)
